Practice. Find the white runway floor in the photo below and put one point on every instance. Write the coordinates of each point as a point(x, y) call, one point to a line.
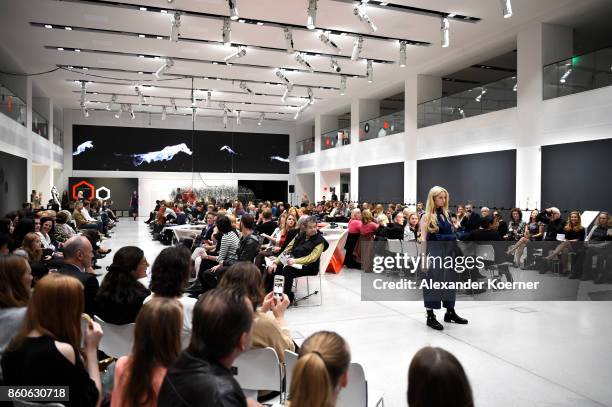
point(515, 353)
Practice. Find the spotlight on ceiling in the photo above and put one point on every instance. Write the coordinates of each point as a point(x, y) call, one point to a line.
point(169, 63)
point(357, 47)
point(324, 37)
point(224, 118)
point(194, 102)
point(370, 72)
point(311, 99)
point(300, 110)
point(84, 110)
point(515, 87)
point(288, 90)
point(402, 56)
point(173, 104)
point(239, 53)
point(342, 85)
point(176, 25)
point(362, 15)
point(227, 32)
point(445, 32)
point(299, 57)
point(482, 93)
point(565, 75)
point(83, 92)
point(132, 115)
point(279, 73)
point(334, 65)
point(288, 39)
point(507, 8)
point(238, 120)
point(262, 116)
point(118, 114)
point(163, 114)
point(112, 102)
point(312, 14)
point(208, 98)
point(233, 9)
point(245, 88)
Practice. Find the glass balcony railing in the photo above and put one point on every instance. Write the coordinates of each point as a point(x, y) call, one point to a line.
point(336, 138)
point(382, 126)
point(482, 99)
point(305, 146)
point(40, 125)
point(58, 137)
point(578, 74)
point(12, 106)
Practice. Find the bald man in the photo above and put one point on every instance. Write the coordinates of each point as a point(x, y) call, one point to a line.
point(78, 255)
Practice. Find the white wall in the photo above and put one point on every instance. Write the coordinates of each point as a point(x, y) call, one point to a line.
point(159, 185)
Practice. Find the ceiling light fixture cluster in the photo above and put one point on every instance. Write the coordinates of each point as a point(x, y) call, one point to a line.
point(362, 15)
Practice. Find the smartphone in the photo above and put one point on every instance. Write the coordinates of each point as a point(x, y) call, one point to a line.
point(279, 286)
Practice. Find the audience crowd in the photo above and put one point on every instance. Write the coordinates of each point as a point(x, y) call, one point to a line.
point(208, 299)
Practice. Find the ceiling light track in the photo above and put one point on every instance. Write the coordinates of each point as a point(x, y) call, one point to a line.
point(166, 66)
point(386, 5)
point(116, 4)
point(203, 41)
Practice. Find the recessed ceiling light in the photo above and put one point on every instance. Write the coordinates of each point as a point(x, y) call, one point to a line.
point(156, 58)
point(71, 67)
point(48, 26)
point(68, 28)
point(451, 15)
point(205, 78)
point(215, 63)
point(85, 68)
point(383, 3)
point(143, 9)
point(260, 23)
point(241, 21)
point(163, 11)
point(160, 38)
point(60, 48)
point(218, 79)
point(140, 73)
point(141, 35)
point(140, 56)
point(77, 50)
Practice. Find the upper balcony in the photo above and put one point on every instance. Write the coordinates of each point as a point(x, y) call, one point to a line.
point(12, 106)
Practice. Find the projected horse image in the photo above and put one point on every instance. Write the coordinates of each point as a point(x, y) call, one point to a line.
point(166, 154)
point(83, 147)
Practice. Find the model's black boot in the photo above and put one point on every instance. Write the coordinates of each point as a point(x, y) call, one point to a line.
point(451, 316)
point(432, 322)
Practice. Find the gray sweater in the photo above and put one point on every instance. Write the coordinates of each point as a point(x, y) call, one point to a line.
point(10, 323)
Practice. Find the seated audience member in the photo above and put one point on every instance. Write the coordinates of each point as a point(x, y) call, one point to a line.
point(411, 230)
point(598, 245)
point(47, 227)
point(15, 283)
point(156, 345)
point(268, 330)
point(380, 234)
point(207, 231)
point(265, 224)
point(321, 370)
point(78, 255)
point(31, 250)
point(22, 228)
point(47, 349)
point(121, 295)
point(228, 245)
point(437, 379)
point(63, 231)
point(305, 250)
point(534, 232)
point(459, 216)
point(202, 375)
point(363, 249)
point(486, 233)
point(395, 230)
point(551, 217)
point(169, 275)
point(471, 220)
point(6, 244)
point(500, 224)
point(484, 211)
point(516, 227)
point(354, 225)
point(84, 223)
point(6, 226)
point(574, 232)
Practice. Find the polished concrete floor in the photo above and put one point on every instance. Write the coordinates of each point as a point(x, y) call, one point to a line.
point(514, 353)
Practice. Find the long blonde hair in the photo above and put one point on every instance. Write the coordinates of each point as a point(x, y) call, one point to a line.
point(324, 359)
point(430, 208)
point(568, 224)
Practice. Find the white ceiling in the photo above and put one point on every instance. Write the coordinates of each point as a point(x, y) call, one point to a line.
point(35, 49)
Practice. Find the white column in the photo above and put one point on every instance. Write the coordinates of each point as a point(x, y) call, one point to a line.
point(410, 137)
point(28, 101)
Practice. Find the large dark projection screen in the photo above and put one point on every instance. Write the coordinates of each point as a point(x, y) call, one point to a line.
point(13, 182)
point(266, 190)
point(487, 179)
point(576, 176)
point(382, 183)
point(107, 148)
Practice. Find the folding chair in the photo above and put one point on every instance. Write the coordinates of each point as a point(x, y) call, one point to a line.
point(356, 392)
point(117, 340)
point(290, 361)
point(259, 369)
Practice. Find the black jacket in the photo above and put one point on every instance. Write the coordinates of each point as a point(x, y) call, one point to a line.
point(89, 281)
point(191, 381)
point(471, 222)
point(395, 231)
point(247, 250)
point(552, 227)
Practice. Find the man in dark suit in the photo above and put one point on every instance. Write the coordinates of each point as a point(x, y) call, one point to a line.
point(78, 255)
point(471, 220)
